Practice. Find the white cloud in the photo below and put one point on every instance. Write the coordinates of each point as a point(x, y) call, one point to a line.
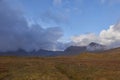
point(84, 39)
point(109, 37)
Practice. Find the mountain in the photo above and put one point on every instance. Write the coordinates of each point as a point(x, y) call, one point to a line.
point(19, 52)
point(43, 52)
point(95, 47)
point(72, 50)
point(92, 47)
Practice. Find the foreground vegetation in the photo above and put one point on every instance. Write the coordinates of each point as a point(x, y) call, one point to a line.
point(83, 67)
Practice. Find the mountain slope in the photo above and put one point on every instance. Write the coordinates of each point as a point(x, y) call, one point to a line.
point(74, 50)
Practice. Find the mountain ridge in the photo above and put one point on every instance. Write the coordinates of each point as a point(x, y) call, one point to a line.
point(72, 50)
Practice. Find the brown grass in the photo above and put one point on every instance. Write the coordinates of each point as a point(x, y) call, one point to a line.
point(83, 67)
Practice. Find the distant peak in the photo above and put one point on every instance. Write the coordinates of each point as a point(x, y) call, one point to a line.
point(93, 44)
point(95, 47)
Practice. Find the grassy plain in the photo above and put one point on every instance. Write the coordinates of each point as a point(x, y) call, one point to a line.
point(86, 66)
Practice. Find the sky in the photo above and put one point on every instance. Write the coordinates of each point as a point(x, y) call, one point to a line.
point(57, 24)
point(75, 17)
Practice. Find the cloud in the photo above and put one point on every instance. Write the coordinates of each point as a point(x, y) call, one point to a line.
point(16, 33)
point(84, 39)
point(109, 37)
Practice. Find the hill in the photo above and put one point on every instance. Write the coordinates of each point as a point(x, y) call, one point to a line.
point(108, 54)
point(86, 66)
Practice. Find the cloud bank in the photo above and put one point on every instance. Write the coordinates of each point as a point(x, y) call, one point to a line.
point(109, 37)
point(15, 32)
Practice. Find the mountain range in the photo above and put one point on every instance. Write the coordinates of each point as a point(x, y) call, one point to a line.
point(72, 50)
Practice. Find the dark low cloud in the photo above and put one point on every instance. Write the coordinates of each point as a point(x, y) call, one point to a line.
point(15, 32)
